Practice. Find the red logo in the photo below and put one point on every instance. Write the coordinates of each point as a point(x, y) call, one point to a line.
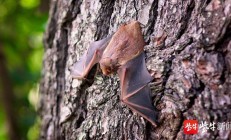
point(190, 127)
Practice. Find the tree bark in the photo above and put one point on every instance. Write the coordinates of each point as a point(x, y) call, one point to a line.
point(188, 52)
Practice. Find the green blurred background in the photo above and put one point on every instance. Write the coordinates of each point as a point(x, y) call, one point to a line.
point(22, 24)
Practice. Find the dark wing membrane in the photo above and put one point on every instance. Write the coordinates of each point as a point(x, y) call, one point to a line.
point(92, 56)
point(134, 79)
point(134, 75)
point(141, 103)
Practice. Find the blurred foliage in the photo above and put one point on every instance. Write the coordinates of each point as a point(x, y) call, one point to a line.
point(22, 24)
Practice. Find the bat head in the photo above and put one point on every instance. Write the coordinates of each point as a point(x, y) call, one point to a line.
point(108, 66)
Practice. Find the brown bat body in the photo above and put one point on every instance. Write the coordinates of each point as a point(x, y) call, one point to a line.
point(122, 53)
point(124, 45)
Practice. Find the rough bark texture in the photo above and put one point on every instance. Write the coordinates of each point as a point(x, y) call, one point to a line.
point(188, 51)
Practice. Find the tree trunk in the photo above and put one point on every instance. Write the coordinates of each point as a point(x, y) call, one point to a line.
point(188, 52)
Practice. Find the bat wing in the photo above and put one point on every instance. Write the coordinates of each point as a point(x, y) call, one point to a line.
point(92, 56)
point(135, 92)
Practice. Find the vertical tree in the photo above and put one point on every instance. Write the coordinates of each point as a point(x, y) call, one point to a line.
point(188, 52)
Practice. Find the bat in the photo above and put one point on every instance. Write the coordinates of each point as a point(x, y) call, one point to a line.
point(123, 53)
